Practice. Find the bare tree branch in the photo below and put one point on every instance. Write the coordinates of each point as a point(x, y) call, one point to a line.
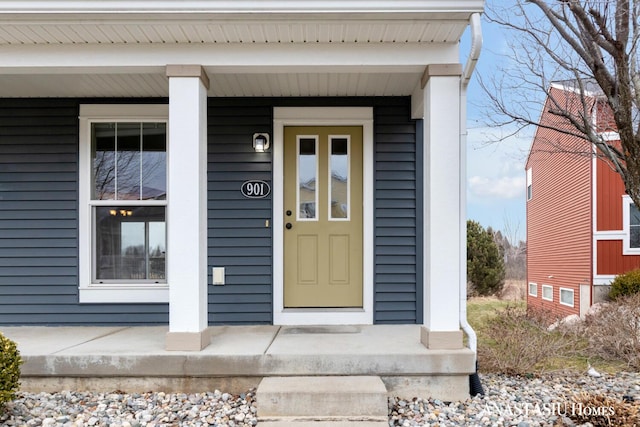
point(590, 49)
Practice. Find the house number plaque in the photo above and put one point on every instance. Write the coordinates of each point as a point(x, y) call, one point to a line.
point(255, 189)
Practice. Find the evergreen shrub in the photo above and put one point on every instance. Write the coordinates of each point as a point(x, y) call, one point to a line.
point(625, 284)
point(10, 362)
point(485, 264)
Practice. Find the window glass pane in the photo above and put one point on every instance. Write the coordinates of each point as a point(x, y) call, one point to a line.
point(634, 226)
point(547, 292)
point(566, 297)
point(130, 243)
point(103, 155)
point(307, 177)
point(128, 170)
point(157, 250)
point(129, 161)
point(154, 161)
point(132, 255)
point(339, 178)
point(634, 214)
point(533, 289)
point(634, 237)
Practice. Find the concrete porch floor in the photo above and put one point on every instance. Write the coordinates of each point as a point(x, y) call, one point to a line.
point(133, 359)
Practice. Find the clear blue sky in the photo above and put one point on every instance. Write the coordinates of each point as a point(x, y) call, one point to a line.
point(496, 177)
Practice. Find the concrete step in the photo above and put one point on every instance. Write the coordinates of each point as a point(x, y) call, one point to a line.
point(327, 399)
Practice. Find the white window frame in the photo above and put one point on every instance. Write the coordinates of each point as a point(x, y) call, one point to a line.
point(529, 184)
point(572, 296)
point(543, 289)
point(626, 227)
point(535, 287)
point(89, 291)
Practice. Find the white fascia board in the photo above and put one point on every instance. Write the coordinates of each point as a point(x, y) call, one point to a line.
point(271, 58)
point(253, 7)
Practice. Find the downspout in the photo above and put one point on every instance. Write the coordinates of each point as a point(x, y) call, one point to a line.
point(476, 46)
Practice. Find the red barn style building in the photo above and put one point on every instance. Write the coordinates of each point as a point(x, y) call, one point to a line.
point(582, 228)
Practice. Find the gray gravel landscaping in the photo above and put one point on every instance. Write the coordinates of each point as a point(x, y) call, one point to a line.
point(131, 410)
point(516, 401)
point(508, 401)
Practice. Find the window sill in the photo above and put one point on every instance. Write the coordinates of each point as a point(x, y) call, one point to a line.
point(626, 250)
point(124, 294)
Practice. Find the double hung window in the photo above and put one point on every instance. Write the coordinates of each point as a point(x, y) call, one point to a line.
point(123, 203)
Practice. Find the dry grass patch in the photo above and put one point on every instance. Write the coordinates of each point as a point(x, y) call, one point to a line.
point(518, 342)
point(614, 332)
point(514, 290)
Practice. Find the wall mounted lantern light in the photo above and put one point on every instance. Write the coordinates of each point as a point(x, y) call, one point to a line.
point(260, 142)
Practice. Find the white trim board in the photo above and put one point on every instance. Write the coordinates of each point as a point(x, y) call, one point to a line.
point(603, 279)
point(609, 235)
point(322, 116)
point(224, 58)
point(268, 8)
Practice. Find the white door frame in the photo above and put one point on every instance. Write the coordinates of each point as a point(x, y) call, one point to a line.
point(322, 116)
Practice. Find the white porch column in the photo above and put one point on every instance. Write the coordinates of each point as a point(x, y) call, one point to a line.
point(187, 208)
point(443, 213)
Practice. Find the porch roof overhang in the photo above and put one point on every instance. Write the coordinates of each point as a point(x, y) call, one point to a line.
point(114, 48)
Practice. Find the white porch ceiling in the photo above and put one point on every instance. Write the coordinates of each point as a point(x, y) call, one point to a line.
point(233, 32)
point(113, 48)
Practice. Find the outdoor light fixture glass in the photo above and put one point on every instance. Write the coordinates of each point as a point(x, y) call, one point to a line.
point(260, 142)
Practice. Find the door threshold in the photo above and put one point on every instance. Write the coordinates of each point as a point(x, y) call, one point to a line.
point(323, 316)
point(324, 310)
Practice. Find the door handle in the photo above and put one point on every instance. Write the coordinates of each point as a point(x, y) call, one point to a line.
point(288, 226)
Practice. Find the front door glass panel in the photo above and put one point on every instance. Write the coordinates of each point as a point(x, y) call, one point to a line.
point(307, 178)
point(339, 173)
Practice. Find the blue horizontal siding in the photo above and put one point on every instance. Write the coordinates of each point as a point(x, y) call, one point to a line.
point(39, 221)
point(398, 275)
point(237, 237)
